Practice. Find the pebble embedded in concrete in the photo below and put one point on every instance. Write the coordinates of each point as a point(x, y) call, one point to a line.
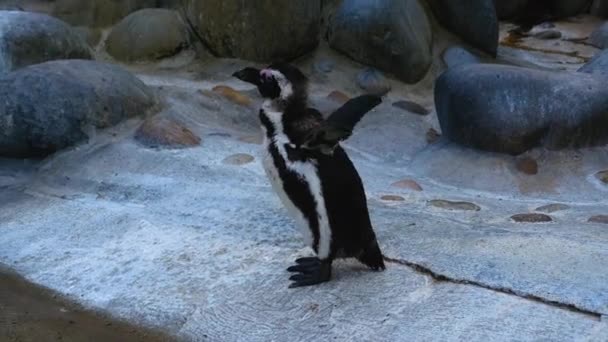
point(531, 218)
point(407, 184)
point(552, 208)
point(238, 159)
point(454, 205)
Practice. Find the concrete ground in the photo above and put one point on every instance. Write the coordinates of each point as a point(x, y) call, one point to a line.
point(194, 243)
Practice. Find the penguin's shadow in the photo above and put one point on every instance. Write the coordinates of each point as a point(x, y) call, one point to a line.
point(346, 270)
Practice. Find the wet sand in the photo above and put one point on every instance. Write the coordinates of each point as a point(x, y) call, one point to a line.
point(31, 313)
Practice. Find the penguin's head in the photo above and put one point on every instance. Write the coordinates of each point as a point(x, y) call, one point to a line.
point(278, 80)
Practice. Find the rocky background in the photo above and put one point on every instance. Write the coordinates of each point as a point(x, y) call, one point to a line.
point(485, 105)
point(121, 129)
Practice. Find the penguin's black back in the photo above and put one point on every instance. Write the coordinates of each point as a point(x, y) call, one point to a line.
point(346, 204)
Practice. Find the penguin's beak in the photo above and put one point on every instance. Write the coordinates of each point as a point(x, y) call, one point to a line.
point(249, 75)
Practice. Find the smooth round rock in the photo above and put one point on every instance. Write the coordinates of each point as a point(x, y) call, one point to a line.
point(147, 34)
point(261, 31)
point(603, 219)
point(527, 165)
point(548, 35)
point(512, 109)
point(475, 21)
point(602, 176)
point(165, 132)
point(394, 36)
point(50, 106)
point(28, 38)
point(373, 82)
point(456, 55)
point(233, 95)
point(97, 13)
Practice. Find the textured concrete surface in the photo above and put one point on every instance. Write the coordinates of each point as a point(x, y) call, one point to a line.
point(184, 241)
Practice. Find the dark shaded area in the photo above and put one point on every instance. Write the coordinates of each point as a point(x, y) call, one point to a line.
point(599, 8)
point(530, 13)
point(32, 313)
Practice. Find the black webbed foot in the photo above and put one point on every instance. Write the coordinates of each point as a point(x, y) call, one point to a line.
point(310, 271)
point(308, 260)
point(305, 265)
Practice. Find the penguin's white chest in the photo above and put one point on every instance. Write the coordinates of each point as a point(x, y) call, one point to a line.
point(307, 173)
point(277, 185)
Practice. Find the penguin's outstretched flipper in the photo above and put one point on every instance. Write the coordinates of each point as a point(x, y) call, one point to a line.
point(346, 117)
point(310, 271)
point(340, 124)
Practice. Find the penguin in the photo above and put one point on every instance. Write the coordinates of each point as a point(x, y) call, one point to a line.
point(311, 173)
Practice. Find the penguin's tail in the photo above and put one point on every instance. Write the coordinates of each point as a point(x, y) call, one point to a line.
point(372, 257)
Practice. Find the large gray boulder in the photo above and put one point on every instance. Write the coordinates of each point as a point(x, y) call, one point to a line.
point(598, 65)
point(394, 36)
point(261, 30)
point(49, 106)
point(29, 38)
point(147, 34)
point(475, 21)
point(599, 37)
point(97, 13)
point(511, 109)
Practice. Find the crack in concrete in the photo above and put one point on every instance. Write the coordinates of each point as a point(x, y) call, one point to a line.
point(596, 316)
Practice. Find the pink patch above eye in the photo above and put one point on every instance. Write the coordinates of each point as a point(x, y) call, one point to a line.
point(267, 73)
